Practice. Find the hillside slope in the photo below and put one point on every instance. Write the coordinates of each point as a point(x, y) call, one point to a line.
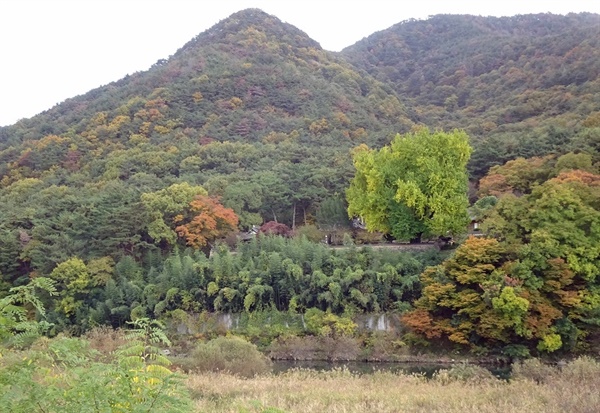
point(255, 112)
point(521, 85)
point(252, 109)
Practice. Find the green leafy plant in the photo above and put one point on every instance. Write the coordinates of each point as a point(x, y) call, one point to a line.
point(61, 374)
point(16, 325)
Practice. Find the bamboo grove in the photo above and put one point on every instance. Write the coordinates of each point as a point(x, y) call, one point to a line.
point(267, 273)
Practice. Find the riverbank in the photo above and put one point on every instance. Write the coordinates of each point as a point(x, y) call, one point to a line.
point(534, 389)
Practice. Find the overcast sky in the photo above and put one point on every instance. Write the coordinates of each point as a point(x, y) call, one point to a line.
point(52, 50)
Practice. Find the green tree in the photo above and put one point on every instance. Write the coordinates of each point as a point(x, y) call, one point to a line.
point(16, 323)
point(332, 214)
point(164, 205)
point(73, 281)
point(416, 186)
point(245, 198)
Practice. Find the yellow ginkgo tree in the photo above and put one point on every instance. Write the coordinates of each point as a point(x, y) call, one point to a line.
point(414, 187)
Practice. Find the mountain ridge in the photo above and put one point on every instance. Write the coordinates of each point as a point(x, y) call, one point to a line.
point(246, 18)
point(243, 39)
point(531, 76)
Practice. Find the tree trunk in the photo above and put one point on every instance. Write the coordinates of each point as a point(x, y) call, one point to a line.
point(304, 210)
point(417, 238)
point(294, 217)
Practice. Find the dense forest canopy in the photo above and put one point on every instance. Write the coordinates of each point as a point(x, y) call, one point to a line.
point(117, 194)
point(521, 85)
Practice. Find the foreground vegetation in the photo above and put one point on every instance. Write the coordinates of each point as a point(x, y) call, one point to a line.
point(229, 375)
point(534, 388)
point(110, 371)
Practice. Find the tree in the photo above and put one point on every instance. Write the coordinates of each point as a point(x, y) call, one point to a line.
point(535, 286)
point(470, 299)
point(245, 198)
point(207, 220)
point(73, 281)
point(332, 214)
point(275, 195)
point(415, 186)
point(164, 205)
point(518, 176)
point(483, 206)
point(575, 161)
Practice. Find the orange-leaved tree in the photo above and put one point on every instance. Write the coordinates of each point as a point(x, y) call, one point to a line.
point(205, 221)
point(470, 299)
point(535, 286)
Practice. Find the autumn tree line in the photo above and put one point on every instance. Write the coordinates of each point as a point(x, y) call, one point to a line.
point(119, 195)
point(526, 284)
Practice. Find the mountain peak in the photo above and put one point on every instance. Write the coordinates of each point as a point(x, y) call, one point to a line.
point(251, 13)
point(253, 22)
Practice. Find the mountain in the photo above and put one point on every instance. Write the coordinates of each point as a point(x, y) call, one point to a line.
point(252, 109)
point(249, 80)
point(258, 114)
point(520, 86)
point(244, 78)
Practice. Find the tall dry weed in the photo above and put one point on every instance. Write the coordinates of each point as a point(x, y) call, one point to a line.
point(338, 391)
point(105, 340)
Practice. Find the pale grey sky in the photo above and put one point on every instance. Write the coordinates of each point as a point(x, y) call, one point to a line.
point(52, 50)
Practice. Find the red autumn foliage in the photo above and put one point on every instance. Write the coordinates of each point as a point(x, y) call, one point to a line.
point(275, 228)
point(210, 220)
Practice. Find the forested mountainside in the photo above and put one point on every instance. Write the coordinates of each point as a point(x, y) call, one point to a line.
point(520, 86)
point(118, 195)
point(253, 110)
point(244, 78)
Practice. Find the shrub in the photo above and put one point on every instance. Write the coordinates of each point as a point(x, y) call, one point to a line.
point(275, 228)
point(337, 237)
point(384, 346)
point(534, 369)
point(465, 373)
point(229, 354)
point(322, 323)
point(366, 237)
point(311, 232)
point(516, 351)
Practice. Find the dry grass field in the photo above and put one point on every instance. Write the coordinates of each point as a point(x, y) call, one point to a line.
point(534, 389)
